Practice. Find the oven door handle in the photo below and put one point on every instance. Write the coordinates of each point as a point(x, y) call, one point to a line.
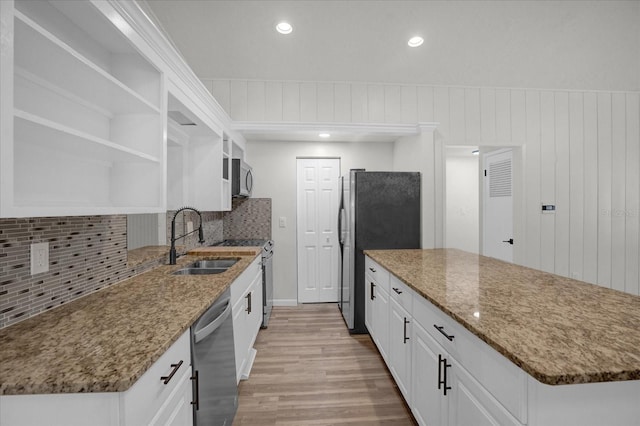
point(213, 325)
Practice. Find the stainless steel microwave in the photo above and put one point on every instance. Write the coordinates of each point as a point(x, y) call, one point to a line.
point(241, 179)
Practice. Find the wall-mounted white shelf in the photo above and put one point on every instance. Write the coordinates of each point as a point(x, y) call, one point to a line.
point(38, 131)
point(68, 69)
point(85, 116)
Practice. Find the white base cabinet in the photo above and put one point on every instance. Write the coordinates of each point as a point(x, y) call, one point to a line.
point(428, 404)
point(400, 344)
point(246, 308)
point(448, 376)
point(377, 306)
point(148, 402)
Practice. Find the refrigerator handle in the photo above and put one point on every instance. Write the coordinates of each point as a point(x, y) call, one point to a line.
point(341, 215)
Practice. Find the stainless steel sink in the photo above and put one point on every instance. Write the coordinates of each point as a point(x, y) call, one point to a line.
point(214, 263)
point(207, 267)
point(199, 271)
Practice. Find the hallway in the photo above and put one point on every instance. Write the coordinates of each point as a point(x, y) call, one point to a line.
point(310, 371)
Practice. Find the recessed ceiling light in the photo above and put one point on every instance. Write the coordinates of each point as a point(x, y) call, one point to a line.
point(415, 41)
point(324, 135)
point(284, 28)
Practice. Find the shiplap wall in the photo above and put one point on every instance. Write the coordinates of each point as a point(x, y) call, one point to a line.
point(581, 153)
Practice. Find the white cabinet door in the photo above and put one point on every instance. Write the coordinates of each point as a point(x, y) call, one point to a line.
point(254, 308)
point(370, 293)
point(400, 348)
point(381, 321)
point(428, 405)
point(470, 403)
point(240, 336)
point(177, 409)
point(246, 295)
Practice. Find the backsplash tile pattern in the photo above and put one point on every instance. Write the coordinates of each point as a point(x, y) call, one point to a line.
point(212, 227)
point(86, 253)
point(250, 218)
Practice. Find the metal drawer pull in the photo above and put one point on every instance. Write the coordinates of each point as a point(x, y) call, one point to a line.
point(373, 270)
point(441, 330)
point(373, 296)
point(406, 321)
point(397, 290)
point(175, 367)
point(443, 381)
point(196, 390)
point(248, 303)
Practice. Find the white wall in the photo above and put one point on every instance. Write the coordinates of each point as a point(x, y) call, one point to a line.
point(274, 169)
point(580, 150)
point(462, 202)
point(424, 153)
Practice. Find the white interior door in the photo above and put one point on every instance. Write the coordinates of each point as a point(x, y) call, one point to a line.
point(317, 229)
point(497, 235)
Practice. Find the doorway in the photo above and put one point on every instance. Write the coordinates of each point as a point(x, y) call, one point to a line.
point(318, 252)
point(497, 235)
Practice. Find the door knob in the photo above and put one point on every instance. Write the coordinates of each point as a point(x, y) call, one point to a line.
point(510, 241)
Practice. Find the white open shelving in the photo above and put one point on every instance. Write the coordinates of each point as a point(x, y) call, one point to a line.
point(195, 162)
point(87, 121)
point(85, 129)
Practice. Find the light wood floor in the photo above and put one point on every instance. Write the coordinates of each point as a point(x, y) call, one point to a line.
point(310, 371)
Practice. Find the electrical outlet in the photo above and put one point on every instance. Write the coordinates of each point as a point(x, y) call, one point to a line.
point(39, 258)
point(283, 222)
point(189, 226)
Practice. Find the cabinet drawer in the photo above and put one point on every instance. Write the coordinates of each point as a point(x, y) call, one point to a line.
point(377, 273)
point(438, 324)
point(506, 382)
point(145, 398)
point(401, 293)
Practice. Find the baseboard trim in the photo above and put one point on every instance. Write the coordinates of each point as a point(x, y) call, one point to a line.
point(285, 302)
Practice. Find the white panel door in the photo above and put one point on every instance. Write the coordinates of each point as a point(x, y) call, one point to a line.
point(497, 234)
point(317, 233)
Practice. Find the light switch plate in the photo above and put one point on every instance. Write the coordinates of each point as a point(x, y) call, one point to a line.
point(39, 258)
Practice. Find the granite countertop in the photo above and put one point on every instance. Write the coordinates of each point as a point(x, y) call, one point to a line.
point(105, 341)
point(559, 330)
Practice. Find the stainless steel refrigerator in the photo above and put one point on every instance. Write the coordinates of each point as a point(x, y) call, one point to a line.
point(378, 210)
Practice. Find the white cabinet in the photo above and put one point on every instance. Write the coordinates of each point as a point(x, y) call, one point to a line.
point(87, 91)
point(153, 399)
point(428, 405)
point(400, 344)
point(246, 299)
point(377, 306)
point(81, 117)
point(446, 375)
point(197, 157)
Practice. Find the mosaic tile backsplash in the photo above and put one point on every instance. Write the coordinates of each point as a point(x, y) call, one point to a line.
point(86, 253)
point(250, 218)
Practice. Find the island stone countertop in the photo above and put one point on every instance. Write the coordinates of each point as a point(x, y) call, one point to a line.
point(559, 330)
point(105, 341)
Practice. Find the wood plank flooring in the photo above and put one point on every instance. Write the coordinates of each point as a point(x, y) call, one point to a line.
point(310, 371)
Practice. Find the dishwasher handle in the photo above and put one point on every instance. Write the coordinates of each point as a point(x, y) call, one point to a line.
point(213, 325)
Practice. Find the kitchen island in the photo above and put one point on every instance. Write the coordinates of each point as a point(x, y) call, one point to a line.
point(579, 344)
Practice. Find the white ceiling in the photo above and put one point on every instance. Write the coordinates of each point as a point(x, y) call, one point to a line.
point(593, 45)
point(534, 44)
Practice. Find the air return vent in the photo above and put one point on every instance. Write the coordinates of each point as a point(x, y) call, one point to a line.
point(500, 178)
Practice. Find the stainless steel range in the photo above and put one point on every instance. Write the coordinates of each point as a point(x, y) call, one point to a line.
point(267, 271)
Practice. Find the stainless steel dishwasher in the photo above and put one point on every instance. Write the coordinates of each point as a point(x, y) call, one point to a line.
point(215, 392)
